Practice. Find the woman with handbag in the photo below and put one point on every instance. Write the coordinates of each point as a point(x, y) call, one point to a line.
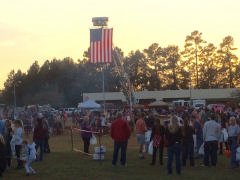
point(86, 134)
point(157, 137)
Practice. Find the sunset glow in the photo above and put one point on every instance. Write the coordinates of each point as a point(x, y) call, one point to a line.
point(41, 30)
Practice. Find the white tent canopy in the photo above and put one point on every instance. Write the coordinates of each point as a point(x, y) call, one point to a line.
point(89, 104)
point(158, 103)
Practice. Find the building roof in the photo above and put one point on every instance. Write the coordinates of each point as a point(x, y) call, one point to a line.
point(211, 94)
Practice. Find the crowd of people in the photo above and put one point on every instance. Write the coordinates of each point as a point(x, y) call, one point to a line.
point(187, 135)
point(12, 142)
point(56, 120)
point(203, 132)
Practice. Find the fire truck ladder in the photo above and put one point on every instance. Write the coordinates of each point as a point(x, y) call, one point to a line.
point(124, 80)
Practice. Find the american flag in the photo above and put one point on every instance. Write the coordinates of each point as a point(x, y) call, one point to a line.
point(101, 45)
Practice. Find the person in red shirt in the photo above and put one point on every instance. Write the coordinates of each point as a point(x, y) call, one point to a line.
point(141, 128)
point(120, 132)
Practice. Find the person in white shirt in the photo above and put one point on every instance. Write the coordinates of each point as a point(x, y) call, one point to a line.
point(211, 134)
point(233, 133)
point(30, 157)
point(18, 135)
point(103, 123)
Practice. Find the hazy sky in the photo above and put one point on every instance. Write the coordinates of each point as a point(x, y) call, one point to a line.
point(39, 30)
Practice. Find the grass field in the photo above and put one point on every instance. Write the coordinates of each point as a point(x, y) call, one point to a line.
point(62, 163)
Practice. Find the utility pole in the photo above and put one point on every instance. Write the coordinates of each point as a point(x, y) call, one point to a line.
point(14, 98)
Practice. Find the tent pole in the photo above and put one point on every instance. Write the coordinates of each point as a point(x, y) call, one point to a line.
point(103, 90)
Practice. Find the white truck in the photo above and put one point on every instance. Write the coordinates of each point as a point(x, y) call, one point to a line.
point(198, 103)
point(181, 105)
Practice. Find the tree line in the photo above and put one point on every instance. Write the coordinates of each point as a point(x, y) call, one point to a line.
point(61, 82)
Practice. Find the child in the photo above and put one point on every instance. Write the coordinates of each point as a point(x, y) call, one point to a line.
point(31, 157)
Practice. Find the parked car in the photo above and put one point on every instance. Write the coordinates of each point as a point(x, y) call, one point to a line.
point(67, 110)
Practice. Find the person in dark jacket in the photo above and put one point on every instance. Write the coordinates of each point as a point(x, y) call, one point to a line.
point(199, 134)
point(120, 132)
point(2, 155)
point(174, 138)
point(46, 137)
point(86, 135)
point(224, 124)
point(157, 137)
point(8, 137)
point(150, 121)
point(187, 142)
point(38, 137)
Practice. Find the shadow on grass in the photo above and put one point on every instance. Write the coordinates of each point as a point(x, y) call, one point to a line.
point(72, 165)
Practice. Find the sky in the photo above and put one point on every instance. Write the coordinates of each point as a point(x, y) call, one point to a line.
point(33, 30)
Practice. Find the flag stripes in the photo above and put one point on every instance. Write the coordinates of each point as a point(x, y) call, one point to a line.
point(101, 47)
